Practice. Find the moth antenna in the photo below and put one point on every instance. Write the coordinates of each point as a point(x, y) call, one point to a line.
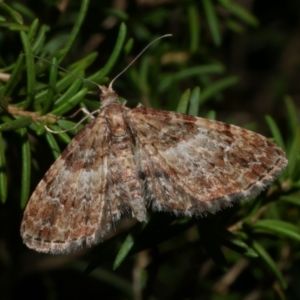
point(61, 68)
point(90, 81)
point(161, 37)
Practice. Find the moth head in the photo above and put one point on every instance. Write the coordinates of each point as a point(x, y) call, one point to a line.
point(107, 96)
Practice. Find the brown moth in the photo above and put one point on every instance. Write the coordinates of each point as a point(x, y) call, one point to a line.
point(126, 161)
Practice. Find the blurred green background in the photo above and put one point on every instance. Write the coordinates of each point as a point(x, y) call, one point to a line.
point(236, 61)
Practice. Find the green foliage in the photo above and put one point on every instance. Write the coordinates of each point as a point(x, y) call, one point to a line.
point(256, 241)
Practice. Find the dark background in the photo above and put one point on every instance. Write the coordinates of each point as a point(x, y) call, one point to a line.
point(259, 59)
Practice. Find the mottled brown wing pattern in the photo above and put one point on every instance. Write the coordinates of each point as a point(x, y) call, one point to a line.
point(69, 206)
point(192, 165)
point(126, 160)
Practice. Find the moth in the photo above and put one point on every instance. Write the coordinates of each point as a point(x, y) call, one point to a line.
point(127, 161)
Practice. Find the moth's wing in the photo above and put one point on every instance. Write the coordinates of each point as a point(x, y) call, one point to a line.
point(192, 165)
point(69, 207)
